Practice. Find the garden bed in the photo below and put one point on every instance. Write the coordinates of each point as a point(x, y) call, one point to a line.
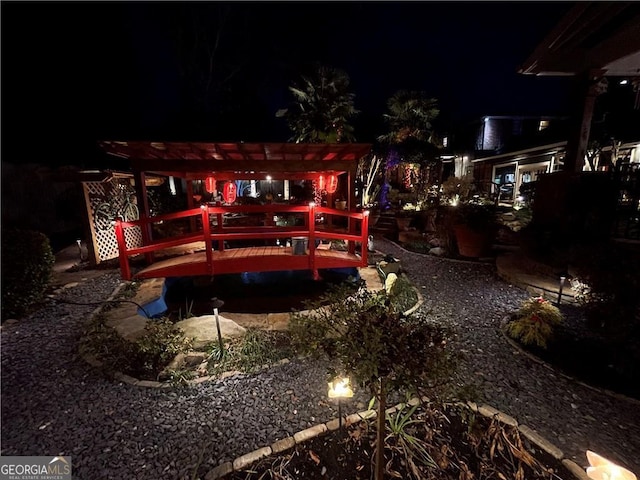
point(450, 442)
point(598, 359)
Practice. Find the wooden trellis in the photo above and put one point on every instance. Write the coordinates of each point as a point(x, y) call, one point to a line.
point(105, 201)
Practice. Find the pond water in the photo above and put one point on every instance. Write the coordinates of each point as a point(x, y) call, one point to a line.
point(251, 292)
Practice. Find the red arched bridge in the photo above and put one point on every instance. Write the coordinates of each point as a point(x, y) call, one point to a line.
point(263, 244)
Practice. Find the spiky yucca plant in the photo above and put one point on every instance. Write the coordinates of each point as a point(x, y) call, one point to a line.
point(535, 322)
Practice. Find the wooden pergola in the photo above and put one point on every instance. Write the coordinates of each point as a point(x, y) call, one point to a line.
point(242, 161)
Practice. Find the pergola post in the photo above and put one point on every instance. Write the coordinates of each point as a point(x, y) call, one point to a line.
point(351, 203)
point(190, 205)
point(591, 85)
point(143, 207)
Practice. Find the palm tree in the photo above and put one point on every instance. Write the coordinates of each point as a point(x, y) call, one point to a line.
point(321, 108)
point(411, 138)
point(409, 118)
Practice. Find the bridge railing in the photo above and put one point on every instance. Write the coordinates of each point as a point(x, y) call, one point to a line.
point(213, 230)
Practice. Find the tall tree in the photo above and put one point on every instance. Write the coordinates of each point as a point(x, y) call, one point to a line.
point(322, 107)
point(409, 117)
point(411, 136)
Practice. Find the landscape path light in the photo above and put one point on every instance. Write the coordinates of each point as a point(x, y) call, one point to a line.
point(340, 388)
point(562, 280)
point(216, 303)
point(602, 469)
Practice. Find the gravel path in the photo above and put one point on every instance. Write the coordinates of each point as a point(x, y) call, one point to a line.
point(53, 403)
point(570, 415)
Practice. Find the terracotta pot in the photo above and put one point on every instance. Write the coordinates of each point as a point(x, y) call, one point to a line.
point(403, 222)
point(341, 204)
point(471, 243)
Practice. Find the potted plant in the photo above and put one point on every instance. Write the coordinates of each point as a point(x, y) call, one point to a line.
point(474, 225)
point(404, 216)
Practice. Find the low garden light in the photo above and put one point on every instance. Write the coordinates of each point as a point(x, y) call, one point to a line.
point(216, 303)
point(561, 286)
point(602, 469)
point(340, 388)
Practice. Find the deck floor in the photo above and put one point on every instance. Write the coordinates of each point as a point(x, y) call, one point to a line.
point(250, 259)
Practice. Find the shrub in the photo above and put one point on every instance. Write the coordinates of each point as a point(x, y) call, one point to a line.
point(27, 262)
point(381, 347)
point(607, 283)
point(161, 342)
point(534, 322)
point(144, 358)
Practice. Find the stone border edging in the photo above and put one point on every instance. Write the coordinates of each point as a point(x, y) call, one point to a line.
point(448, 259)
point(280, 446)
point(550, 367)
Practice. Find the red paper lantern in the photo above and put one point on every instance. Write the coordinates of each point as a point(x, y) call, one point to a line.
point(229, 192)
point(332, 184)
point(210, 184)
point(321, 182)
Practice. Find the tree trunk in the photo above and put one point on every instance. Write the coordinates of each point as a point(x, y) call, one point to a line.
point(382, 406)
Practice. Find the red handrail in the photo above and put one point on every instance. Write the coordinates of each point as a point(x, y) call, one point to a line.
point(223, 233)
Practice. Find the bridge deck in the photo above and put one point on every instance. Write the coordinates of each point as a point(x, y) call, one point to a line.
point(251, 259)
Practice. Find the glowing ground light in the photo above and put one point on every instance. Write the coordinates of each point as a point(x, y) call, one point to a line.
point(602, 469)
point(340, 389)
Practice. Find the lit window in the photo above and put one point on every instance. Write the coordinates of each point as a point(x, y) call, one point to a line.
point(543, 124)
point(445, 142)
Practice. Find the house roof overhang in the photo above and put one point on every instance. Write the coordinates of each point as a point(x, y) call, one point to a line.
point(246, 161)
point(592, 36)
point(549, 149)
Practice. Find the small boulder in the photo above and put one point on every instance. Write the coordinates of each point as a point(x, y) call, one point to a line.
point(437, 251)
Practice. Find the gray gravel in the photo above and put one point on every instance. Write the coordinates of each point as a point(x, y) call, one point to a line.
point(470, 296)
point(53, 403)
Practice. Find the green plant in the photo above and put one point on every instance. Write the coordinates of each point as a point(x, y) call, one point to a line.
point(457, 189)
point(188, 310)
point(401, 439)
point(27, 263)
point(381, 347)
point(535, 322)
point(161, 342)
point(258, 349)
point(607, 283)
point(479, 216)
point(255, 349)
point(180, 377)
point(146, 357)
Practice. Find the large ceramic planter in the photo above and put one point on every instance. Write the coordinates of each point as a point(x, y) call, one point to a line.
point(472, 243)
point(403, 223)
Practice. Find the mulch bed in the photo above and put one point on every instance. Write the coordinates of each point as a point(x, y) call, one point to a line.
point(460, 445)
point(592, 355)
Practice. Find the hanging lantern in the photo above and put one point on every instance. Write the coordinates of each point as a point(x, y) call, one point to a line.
point(332, 184)
point(229, 192)
point(322, 183)
point(210, 184)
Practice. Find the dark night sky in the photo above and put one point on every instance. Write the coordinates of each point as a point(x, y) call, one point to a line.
point(76, 72)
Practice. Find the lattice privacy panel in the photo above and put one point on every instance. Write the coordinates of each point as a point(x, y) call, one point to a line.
point(108, 201)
